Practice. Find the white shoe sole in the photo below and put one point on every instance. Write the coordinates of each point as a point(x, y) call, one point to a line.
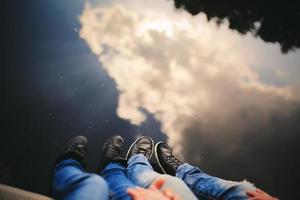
point(156, 156)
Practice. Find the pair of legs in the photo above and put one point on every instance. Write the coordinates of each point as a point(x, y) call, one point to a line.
point(119, 174)
point(139, 172)
point(203, 185)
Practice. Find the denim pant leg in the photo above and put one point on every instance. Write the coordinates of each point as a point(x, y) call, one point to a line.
point(71, 182)
point(205, 186)
point(116, 176)
point(141, 173)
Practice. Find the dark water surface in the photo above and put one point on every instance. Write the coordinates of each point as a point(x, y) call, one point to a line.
point(52, 88)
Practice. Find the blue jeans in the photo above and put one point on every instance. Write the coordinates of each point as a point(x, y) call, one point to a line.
point(71, 182)
point(208, 187)
point(141, 173)
point(116, 176)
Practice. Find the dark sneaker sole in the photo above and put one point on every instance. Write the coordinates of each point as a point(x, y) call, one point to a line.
point(152, 143)
point(156, 156)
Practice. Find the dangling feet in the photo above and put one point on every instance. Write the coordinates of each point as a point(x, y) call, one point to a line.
point(112, 151)
point(143, 145)
point(165, 158)
point(75, 149)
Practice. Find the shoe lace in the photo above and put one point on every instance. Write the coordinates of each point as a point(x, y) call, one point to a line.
point(145, 151)
point(116, 151)
point(172, 160)
point(74, 147)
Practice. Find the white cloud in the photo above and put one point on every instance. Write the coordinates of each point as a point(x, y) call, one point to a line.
point(183, 70)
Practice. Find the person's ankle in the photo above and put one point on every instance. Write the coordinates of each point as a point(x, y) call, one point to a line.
point(121, 161)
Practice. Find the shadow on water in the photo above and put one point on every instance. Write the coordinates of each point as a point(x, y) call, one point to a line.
point(271, 21)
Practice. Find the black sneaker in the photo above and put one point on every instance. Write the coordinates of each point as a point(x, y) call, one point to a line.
point(165, 158)
point(112, 151)
point(76, 149)
point(143, 145)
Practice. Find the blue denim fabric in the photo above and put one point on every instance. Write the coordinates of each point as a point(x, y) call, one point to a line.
point(205, 186)
point(141, 173)
point(116, 176)
point(71, 182)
